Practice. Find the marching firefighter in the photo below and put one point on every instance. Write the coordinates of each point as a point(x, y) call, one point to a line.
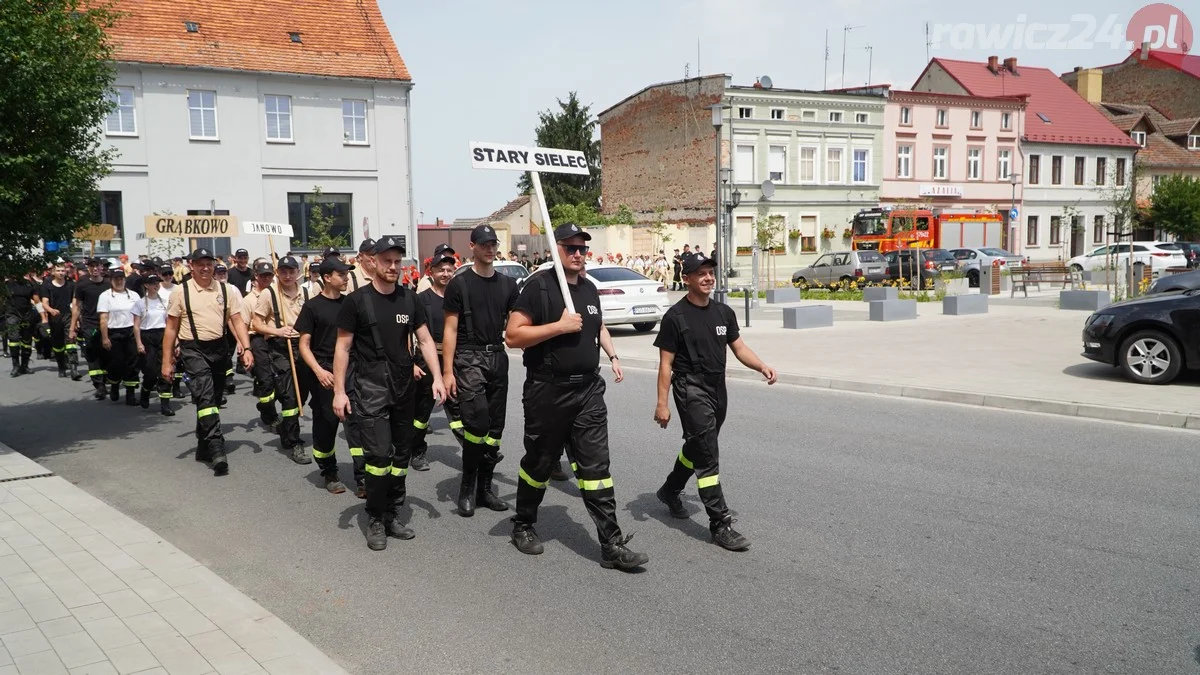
point(441, 270)
point(221, 275)
point(378, 321)
point(115, 308)
point(19, 325)
point(57, 294)
point(85, 323)
point(564, 398)
point(149, 324)
point(691, 345)
point(167, 286)
point(275, 314)
point(264, 377)
point(201, 314)
point(317, 326)
point(364, 266)
point(475, 368)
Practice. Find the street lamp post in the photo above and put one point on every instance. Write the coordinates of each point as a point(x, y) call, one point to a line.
point(1006, 240)
point(718, 120)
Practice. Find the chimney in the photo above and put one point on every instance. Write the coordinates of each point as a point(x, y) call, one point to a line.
point(1145, 52)
point(1010, 64)
point(1089, 85)
point(993, 64)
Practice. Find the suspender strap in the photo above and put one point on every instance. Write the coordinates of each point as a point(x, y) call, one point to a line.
point(275, 307)
point(689, 341)
point(369, 308)
point(187, 303)
point(354, 280)
point(224, 312)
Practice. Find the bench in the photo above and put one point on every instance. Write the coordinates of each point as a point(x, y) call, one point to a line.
point(1035, 274)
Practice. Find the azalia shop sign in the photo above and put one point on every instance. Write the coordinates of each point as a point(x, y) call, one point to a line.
point(941, 190)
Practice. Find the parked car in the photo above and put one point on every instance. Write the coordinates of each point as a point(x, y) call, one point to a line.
point(1191, 251)
point(626, 297)
point(843, 266)
point(970, 260)
point(1151, 339)
point(506, 267)
point(1158, 254)
point(1181, 281)
point(924, 264)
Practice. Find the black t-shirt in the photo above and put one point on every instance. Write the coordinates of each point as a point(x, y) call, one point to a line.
point(398, 316)
point(713, 327)
point(87, 292)
point(434, 313)
point(319, 318)
point(59, 297)
point(491, 299)
point(134, 283)
point(20, 294)
point(238, 279)
point(573, 353)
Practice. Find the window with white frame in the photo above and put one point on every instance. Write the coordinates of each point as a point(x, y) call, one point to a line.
point(777, 163)
point(808, 115)
point(939, 162)
point(808, 164)
point(1101, 170)
point(904, 161)
point(835, 116)
point(1006, 121)
point(778, 113)
point(860, 168)
point(743, 168)
point(745, 113)
point(834, 172)
point(974, 163)
point(279, 117)
point(1098, 229)
point(121, 121)
point(976, 119)
point(1003, 163)
point(1138, 137)
point(1194, 142)
point(906, 116)
point(354, 121)
point(202, 114)
point(861, 118)
point(943, 117)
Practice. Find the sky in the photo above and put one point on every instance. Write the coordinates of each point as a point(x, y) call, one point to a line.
point(483, 69)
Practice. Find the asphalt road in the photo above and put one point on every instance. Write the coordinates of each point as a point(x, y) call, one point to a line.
point(890, 536)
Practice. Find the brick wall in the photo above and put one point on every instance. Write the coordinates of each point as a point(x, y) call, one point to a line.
point(657, 150)
point(1176, 94)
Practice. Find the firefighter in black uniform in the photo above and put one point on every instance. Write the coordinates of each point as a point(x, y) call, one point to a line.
point(378, 322)
point(263, 386)
point(476, 366)
point(691, 345)
point(317, 326)
point(441, 270)
point(564, 398)
point(85, 323)
point(57, 294)
point(19, 325)
point(201, 313)
point(275, 314)
point(167, 273)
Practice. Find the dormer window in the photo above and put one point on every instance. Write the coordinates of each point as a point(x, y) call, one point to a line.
point(1194, 142)
point(1043, 118)
point(295, 37)
point(1138, 137)
point(191, 26)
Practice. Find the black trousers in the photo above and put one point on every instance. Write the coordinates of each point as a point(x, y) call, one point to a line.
point(122, 358)
point(324, 431)
point(701, 401)
point(152, 340)
point(289, 399)
point(382, 399)
point(482, 381)
point(58, 339)
point(264, 379)
point(88, 337)
point(424, 410)
point(19, 332)
point(205, 362)
point(574, 415)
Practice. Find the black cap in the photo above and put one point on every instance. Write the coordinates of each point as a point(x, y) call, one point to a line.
point(314, 266)
point(115, 272)
point(483, 234)
point(201, 254)
point(695, 261)
point(241, 252)
point(331, 250)
point(165, 271)
point(441, 254)
point(263, 268)
point(568, 230)
point(366, 245)
point(389, 243)
point(288, 261)
point(220, 268)
point(331, 265)
point(153, 279)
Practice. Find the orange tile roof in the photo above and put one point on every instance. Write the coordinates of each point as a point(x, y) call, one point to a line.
point(339, 38)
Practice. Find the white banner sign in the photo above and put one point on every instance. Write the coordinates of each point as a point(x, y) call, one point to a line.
point(520, 158)
point(256, 227)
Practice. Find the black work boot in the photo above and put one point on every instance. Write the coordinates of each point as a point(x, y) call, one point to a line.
point(466, 494)
point(484, 497)
point(526, 540)
point(25, 363)
point(333, 485)
point(230, 386)
point(360, 489)
point(300, 455)
point(203, 453)
point(164, 407)
point(220, 464)
point(617, 555)
point(101, 392)
point(74, 367)
point(673, 502)
point(376, 534)
point(131, 397)
point(177, 388)
point(144, 400)
point(396, 528)
point(419, 462)
point(16, 367)
point(726, 537)
point(114, 392)
point(558, 474)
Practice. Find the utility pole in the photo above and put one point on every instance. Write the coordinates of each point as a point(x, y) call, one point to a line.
point(845, 35)
point(870, 60)
point(825, 84)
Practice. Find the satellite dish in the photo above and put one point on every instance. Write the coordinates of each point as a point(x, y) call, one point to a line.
point(765, 81)
point(768, 188)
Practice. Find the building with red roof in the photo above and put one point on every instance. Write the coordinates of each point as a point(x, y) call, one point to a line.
point(1075, 160)
point(1168, 80)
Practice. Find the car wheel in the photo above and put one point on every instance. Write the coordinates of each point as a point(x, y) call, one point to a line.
point(800, 282)
point(1150, 357)
point(973, 279)
point(645, 326)
point(1077, 268)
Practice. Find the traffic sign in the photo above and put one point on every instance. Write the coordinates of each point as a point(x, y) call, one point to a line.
point(1012, 215)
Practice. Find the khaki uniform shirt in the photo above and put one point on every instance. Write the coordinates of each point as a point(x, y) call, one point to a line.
point(288, 306)
point(358, 279)
point(206, 308)
point(249, 303)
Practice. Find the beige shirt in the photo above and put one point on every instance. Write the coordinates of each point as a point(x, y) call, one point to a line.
point(289, 306)
point(248, 305)
point(359, 276)
point(206, 308)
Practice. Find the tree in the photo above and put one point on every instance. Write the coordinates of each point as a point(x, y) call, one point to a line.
point(166, 247)
point(320, 225)
point(1175, 206)
point(56, 76)
point(658, 229)
point(570, 128)
point(584, 215)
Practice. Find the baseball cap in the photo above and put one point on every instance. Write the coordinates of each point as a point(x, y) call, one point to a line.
point(153, 279)
point(116, 272)
point(568, 230)
point(201, 254)
point(263, 268)
point(331, 265)
point(288, 261)
point(241, 252)
point(366, 246)
point(442, 253)
point(165, 270)
point(331, 250)
point(389, 243)
point(483, 234)
point(220, 268)
point(695, 261)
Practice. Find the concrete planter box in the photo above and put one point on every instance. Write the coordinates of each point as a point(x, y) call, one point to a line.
point(955, 286)
point(959, 305)
point(780, 295)
point(876, 293)
point(1086, 300)
point(893, 310)
point(812, 316)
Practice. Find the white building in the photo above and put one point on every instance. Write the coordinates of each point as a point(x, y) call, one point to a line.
point(223, 108)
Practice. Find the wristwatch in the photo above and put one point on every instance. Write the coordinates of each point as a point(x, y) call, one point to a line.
point(612, 358)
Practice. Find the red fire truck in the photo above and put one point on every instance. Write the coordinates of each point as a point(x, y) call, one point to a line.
point(885, 229)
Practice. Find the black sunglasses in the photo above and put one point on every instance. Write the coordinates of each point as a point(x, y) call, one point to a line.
point(573, 249)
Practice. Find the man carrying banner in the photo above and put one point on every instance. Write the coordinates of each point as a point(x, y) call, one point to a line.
point(275, 314)
point(441, 270)
point(477, 304)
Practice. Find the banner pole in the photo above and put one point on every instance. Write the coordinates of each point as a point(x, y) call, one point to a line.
point(283, 318)
point(536, 178)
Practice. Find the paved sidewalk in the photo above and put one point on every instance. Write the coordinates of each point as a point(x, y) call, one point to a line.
point(86, 590)
point(1018, 356)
